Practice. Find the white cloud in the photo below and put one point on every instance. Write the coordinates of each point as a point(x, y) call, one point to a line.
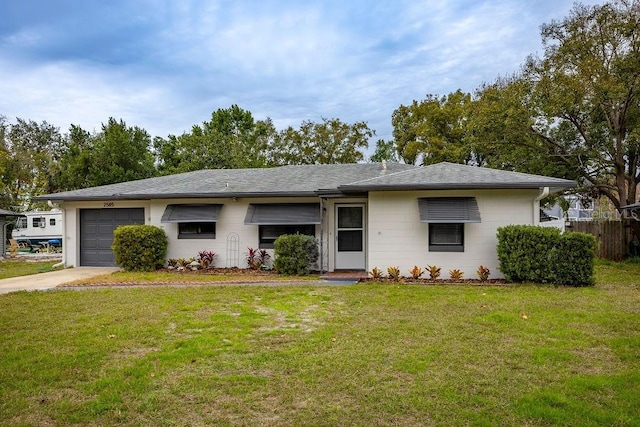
point(289, 60)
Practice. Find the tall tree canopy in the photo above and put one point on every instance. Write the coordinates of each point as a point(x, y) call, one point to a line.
point(28, 152)
point(231, 139)
point(576, 108)
point(331, 141)
point(121, 153)
point(76, 160)
point(573, 112)
point(433, 130)
point(585, 96)
point(385, 150)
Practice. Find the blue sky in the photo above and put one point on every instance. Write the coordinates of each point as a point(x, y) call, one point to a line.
point(167, 65)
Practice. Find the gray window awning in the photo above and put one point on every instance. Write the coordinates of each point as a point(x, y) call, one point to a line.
point(448, 209)
point(283, 214)
point(191, 213)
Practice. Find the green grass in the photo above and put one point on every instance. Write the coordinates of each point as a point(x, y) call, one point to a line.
point(311, 355)
point(186, 277)
point(617, 273)
point(14, 268)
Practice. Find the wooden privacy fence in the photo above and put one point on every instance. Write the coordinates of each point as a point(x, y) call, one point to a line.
point(613, 237)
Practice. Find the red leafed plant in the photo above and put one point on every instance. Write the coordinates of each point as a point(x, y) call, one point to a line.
point(206, 258)
point(483, 273)
point(256, 258)
point(376, 273)
point(416, 272)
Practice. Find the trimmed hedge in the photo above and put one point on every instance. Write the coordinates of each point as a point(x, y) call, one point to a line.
point(545, 255)
point(294, 253)
point(139, 247)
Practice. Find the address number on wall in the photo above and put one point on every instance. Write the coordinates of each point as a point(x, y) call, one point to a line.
point(109, 204)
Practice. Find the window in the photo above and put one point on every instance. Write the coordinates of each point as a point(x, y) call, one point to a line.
point(446, 237)
point(38, 222)
point(269, 233)
point(21, 223)
point(52, 221)
point(196, 230)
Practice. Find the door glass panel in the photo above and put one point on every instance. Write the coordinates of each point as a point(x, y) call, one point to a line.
point(350, 241)
point(350, 217)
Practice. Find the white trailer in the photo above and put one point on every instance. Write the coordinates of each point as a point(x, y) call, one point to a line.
point(39, 227)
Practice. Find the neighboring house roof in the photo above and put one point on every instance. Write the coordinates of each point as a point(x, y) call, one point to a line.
point(309, 180)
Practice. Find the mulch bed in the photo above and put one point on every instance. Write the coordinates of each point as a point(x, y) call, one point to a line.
point(411, 281)
point(221, 270)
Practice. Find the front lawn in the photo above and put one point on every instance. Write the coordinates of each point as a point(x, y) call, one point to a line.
point(175, 277)
point(19, 267)
point(322, 355)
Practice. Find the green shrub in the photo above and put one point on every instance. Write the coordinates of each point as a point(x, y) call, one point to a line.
point(545, 255)
point(574, 259)
point(139, 247)
point(294, 253)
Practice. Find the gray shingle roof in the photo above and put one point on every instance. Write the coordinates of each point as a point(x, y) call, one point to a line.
point(455, 176)
point(309, 180)
point(300, 180)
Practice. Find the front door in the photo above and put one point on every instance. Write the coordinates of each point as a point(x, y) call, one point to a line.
point(350, 232)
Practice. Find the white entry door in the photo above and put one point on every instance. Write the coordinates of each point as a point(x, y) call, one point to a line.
point(350, 232)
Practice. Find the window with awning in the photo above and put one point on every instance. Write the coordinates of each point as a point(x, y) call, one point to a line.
point(195, 221)
point(447, 217)
point(276, 219)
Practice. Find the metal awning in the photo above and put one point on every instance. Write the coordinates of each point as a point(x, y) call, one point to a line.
point(448, 209)
point(191, 213)
point(283, 214)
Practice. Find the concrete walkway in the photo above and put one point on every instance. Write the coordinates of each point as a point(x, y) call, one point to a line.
point(50, 280)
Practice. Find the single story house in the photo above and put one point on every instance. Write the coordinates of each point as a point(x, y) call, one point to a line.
point(363, 215)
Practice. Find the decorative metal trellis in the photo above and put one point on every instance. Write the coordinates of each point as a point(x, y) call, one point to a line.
point(233, 250)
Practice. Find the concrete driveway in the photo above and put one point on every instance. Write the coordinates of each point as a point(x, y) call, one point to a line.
point(50, 280)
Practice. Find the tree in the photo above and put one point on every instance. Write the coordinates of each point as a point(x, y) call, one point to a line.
point(29, 151)
point(231, 139)
point(497, 129)
point(331, 141)
point(385, 150)
point(120, 153)
point(434, 130)
point(75, 160)
point(579, 104)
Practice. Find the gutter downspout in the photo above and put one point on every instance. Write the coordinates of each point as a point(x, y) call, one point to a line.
point(3, 244)
point(536, 205)
point(321, 236)
point(64, 234)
